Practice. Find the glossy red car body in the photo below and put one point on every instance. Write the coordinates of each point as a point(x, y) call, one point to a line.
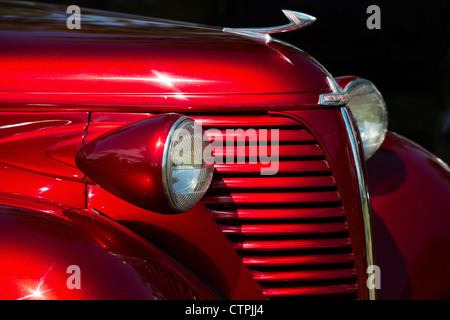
point(299, 233)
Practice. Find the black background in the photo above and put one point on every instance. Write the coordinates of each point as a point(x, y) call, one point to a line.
point(408, 59)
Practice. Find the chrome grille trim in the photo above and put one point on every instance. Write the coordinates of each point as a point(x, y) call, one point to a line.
point(363, 190)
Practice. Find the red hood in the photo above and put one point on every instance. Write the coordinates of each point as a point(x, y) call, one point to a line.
point(41, 59)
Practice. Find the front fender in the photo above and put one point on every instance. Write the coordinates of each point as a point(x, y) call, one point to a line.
point(410, 191)
point(49, 251)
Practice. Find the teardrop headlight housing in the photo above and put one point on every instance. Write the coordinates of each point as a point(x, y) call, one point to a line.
point(162, 163)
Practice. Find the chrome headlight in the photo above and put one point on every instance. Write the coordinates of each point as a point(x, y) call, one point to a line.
point(187, 165)
point(369, 111)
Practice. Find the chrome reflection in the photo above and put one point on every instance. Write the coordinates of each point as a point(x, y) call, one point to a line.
point(297, 20)
point(363, 191)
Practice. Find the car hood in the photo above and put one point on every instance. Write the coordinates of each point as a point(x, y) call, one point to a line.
point(124, 55)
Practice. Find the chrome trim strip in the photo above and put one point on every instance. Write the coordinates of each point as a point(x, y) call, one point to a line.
point(363, 191)
point(297, 20)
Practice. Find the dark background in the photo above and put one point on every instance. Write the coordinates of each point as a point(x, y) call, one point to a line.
point(408, 59)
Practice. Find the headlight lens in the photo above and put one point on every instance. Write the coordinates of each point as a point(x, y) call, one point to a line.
point(369, 111)
point(188, 164)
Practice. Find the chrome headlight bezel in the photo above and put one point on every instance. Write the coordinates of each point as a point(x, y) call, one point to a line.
point(195, 186)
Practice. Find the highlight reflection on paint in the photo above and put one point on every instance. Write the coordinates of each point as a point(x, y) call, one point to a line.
point(38, 293)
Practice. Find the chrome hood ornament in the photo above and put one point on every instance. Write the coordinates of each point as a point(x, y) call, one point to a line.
point(297, 20)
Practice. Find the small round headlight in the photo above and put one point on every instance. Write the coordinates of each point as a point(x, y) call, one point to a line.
point(187, 164)
point(369, 111)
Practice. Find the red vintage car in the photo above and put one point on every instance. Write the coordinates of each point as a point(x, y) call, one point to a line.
point(149, 159)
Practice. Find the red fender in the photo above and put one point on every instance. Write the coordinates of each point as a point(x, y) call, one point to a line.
point(49, 251)
point(410, 191)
